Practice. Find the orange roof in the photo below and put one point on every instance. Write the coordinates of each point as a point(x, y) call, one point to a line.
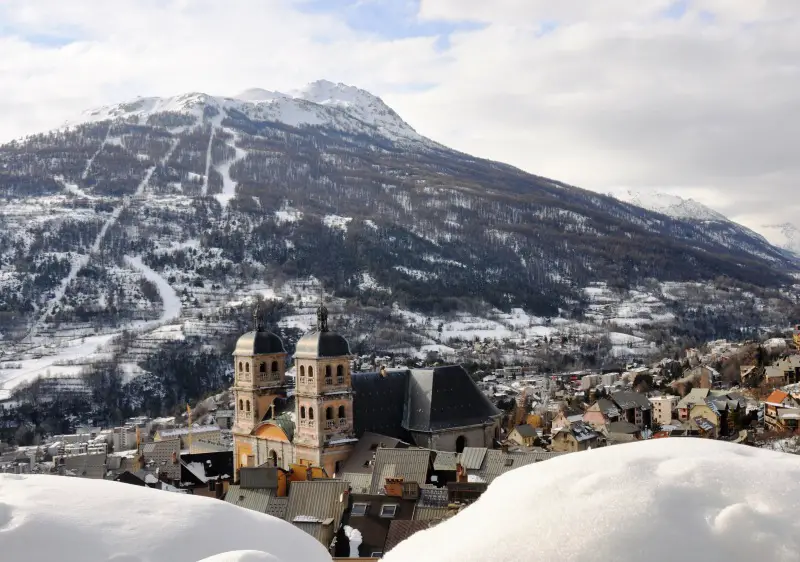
point(777, 397)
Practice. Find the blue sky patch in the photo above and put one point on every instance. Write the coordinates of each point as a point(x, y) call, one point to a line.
point(389, 19)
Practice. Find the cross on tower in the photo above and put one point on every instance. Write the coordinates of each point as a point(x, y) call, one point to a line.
point(322, 312)
point(256, 319)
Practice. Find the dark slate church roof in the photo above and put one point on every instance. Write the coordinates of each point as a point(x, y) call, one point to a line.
point(419, 400)
point(259, 342)
point(322, 344)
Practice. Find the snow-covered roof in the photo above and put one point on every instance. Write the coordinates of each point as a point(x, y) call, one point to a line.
point(101, 525)
point(735, 507)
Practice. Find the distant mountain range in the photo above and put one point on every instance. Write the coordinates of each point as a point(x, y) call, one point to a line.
point(200, 195)
point(785, 236)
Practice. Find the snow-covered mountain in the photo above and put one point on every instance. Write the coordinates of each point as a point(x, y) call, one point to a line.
point(148, 224)
point(784, 235)
point(670, 205)
point(320, 104)
point(715, 224)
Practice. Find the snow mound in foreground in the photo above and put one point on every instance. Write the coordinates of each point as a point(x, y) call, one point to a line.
point(242, 556)
point(658, 500)
point(70, 519)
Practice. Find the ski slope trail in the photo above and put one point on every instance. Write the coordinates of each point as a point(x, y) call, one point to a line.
point(208, 161)
point(91, 160)
point(171, 302)
point(81, 260)
point(228, 185)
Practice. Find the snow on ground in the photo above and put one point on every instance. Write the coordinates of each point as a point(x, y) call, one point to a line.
point(368, 282)
point(68, 359)
point(241, 556)
point(642, 501)
point(335, 222)
point(170, 299)
point(58, 518)
point(287, 215)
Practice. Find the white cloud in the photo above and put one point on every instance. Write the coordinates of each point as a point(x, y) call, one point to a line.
point(618, 94)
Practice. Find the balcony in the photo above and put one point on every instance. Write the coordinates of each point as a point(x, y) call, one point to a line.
point(339, 380)
point(342, 421)
point(330, 424)
point(329, 381)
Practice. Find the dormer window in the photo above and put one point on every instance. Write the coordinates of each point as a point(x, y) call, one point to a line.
point(388, 511)
point(359, 509)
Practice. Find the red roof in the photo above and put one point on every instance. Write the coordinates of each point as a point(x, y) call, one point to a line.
point(777, 397)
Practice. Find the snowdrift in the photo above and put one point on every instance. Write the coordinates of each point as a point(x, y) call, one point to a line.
point(660, 501)
point(75, 520)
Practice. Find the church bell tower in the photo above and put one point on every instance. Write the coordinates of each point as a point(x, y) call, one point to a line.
point(259, 364)
point(324, 398)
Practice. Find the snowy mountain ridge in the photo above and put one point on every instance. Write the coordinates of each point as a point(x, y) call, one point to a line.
point(671, 205)
point(784, 235)
point(321, 104)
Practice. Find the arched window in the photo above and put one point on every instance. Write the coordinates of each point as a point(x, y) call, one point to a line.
point(273, 458)
point(339, 371)
point(241, 405)
point(342, 414)
point(302, 412)
point(302, 371)
point(310, 372)
point(241, 367)
point(262, 368)
point(311, 413)
point(247, 367)
point(247, 405)
point(329, 413)
point(274, 366)
point(328, 372)
point(461, 442)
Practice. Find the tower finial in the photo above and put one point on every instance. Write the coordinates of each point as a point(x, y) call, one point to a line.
point(322, 312)
point(257, 318)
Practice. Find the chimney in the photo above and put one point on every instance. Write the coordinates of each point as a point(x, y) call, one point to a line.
point(504, 446)
point(461, 473)
point(394, 487)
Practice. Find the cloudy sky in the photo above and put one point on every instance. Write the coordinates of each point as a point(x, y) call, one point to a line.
point(695, 97)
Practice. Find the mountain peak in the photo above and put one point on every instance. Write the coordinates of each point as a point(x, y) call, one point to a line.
point(671, 205)
point(319, 104)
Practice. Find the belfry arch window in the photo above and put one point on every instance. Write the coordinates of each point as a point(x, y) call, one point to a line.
point(274, 366)
point(247, 367)
point(310, 372)
point(311, 413)
point(339, 371)
point(241, 366)
point(328, 372)
point(241, 404)
point(329, 413)
point(302, 371)
point(247, 406)
point(342, 414)
point(302, 412)
point(262, 368)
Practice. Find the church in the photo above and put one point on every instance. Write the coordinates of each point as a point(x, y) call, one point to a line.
point(331, 407)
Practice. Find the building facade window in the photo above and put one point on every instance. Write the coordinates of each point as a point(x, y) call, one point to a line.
point(262, 368)
point(302, 412)
point(311, 413)
point(342, 413)
point(329, 413)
